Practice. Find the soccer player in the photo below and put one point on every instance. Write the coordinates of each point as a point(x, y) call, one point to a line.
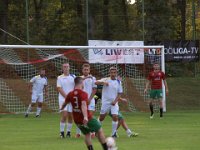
point(90, 88)
point(155, 79)
point(65, 84)
point(37, 85)
point(82, 117)
point(122, 122)
point(111, 92)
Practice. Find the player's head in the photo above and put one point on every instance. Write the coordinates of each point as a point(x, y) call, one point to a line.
point(86, 69)
point(113, 72)
point(78, 82)
point(156, 67)
point(65, 68)
point(42, 72)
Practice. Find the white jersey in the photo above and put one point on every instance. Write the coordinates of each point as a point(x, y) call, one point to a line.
point(38, 84)
point(66, 83)
point(89, 84)
point(110, 92)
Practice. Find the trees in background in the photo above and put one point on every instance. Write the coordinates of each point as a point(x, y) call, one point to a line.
point(63, 22)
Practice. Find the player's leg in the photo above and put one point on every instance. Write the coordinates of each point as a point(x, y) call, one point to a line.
point(159, 95)
point(95, 126)
point(91, 109)
point(152, 96)
point(103, 112)
point(70, 120)
point(88, 142)
point(32, 104)
point(114, 112)
point(63, 118)
point(39, 108)
point(86, 131)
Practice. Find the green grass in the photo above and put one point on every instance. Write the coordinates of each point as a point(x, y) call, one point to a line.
point(184, 94)
point(176, 131)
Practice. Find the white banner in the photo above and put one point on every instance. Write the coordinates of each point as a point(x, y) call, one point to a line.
point(112, 56)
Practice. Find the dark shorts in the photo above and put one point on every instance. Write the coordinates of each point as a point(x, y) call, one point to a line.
point(92, 126)
point(156, 93)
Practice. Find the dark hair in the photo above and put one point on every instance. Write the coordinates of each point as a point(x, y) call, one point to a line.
point(86, 65)
point(78, 80)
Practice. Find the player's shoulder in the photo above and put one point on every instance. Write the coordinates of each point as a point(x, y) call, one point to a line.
point(60, 76)
point(72, 75)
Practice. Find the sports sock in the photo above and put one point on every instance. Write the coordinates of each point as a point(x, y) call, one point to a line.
point(62, 127)
point(151, 108)
point(78, 131)
point(69, 126)
point(105, 147)
point(128, 131)
point(38, 110)
point(114, 126)
point(90, 147)
point(161, 112)
point(29, 109)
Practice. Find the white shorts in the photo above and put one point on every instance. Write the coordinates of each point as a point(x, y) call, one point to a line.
point(106, 108)
point(68, 107)
point(36, 98)
point(92, 105)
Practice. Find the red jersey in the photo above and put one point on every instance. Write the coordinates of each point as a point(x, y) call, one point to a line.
point(156, 79)
point(76, 97)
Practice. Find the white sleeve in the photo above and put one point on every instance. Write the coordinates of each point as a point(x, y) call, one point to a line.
point(93, 82)
point(120, 89)
point(58, 82)
point(46, 82)
point(33, 79)
point(103, 80)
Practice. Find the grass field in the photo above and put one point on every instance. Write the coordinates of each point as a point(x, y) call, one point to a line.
point(176, 131)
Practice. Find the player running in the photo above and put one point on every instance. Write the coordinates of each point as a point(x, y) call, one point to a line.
point(122, 122)
point(82, 117)
point(155, 79)
point(37, 85)
point(90, 88)
point(111, 92)
point(65, 84)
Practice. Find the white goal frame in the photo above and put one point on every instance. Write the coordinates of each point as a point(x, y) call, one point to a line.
point(98, 47)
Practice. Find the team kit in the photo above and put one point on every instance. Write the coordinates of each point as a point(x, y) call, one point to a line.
point(76, 96)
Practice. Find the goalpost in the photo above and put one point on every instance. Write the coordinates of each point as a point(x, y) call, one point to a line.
point(19, 63)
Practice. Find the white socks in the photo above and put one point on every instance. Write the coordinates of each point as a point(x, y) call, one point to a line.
point(29, 109)
point(114, 126)
point(38, 111)
point(62, 127)
point(69, 126)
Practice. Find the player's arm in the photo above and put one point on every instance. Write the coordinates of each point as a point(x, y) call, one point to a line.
point(101, 82)
point(61, 91)
point(67, 100)
point(117, 98)
point(45, 90)
point(30, 85)
point(94, 90)
point(146, 86)
point(166, 87)
point(84, 111)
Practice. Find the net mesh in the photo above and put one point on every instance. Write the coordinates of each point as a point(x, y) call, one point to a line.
point(19, 65)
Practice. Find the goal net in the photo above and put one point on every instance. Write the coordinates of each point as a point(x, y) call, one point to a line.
point(19, 63)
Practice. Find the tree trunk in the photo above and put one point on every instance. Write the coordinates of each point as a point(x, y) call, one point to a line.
point(183, 18)
point(4, 20)
point(79, 8)
point(106, 31)
point(124, 8)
